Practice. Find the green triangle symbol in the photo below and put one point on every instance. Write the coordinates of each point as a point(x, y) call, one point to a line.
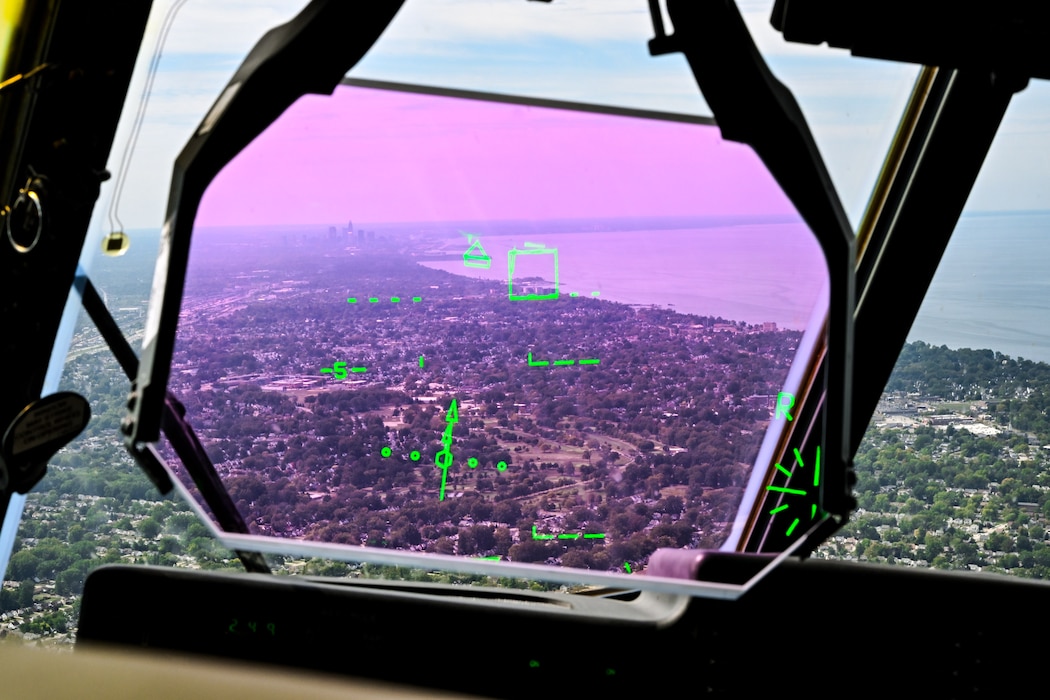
point(476, 252)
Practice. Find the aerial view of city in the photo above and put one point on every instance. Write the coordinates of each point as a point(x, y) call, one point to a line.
point(952, 470)
point(349, 393)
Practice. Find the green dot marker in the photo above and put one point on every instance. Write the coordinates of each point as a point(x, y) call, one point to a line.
point(417, 298)
point(414, 455)
point(395, 299)
point(501, 466)
point(472, 462)
point(373, 300)
point(385, 451)
point(351, 300)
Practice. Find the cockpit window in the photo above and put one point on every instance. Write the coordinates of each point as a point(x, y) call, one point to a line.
point(952, 469)
point(434, 323)
point(590, 52)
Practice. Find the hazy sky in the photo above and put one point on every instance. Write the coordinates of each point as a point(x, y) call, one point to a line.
point(375, 155)
point(583, 50)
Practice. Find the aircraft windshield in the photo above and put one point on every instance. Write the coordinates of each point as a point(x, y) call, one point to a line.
point(501, 331)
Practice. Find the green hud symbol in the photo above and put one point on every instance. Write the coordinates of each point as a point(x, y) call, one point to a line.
point(784, 403)
point(534, 261)
point(476, 255)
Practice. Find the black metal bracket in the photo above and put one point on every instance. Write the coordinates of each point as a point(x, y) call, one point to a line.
point(998, 37)
point(180, 434)
point(940, 164)
point(58, 118)
point(984, 58)
point(752, 107)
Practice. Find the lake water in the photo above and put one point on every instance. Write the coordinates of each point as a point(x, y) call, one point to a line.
point(750, 272)
point(992, 289)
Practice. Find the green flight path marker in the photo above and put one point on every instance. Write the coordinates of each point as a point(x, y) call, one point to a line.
point(443, 459)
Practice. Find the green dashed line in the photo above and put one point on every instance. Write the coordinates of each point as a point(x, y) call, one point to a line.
point(375, 300)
